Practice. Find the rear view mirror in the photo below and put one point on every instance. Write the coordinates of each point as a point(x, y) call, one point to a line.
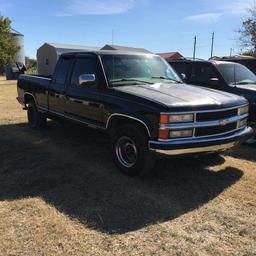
point(214, 81)
point(183, 76)
point(87, 79)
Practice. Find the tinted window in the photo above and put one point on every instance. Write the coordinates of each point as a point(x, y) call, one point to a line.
point(181, 68)
point(202, 74)
point(82, 66)
point(236, 74)
point(62, 70)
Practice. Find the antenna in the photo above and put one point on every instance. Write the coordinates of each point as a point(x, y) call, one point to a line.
point(194, 53)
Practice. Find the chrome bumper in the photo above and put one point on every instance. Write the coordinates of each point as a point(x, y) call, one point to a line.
point(200, 145)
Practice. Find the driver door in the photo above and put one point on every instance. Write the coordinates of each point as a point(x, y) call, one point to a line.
point(84, 102)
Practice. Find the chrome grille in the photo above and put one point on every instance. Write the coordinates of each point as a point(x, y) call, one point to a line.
point(208, 123)
point(214, 130)
point(210, 116)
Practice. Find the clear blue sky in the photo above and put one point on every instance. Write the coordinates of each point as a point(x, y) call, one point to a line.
point(160, 26)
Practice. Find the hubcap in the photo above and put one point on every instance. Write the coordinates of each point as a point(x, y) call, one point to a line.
point(126, 151)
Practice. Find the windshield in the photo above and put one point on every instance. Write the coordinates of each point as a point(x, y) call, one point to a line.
point(234, 73)
point(137, 69)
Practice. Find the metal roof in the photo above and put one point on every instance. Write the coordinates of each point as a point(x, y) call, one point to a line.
point(170, 55)
point(15, 32)
point(235, 57)
point(108, 49)
point(124, 48)
point(65, 48)
point(72, 46)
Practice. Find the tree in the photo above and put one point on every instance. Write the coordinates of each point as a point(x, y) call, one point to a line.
point(31, 65)
point(8, 48)
point(248, 32)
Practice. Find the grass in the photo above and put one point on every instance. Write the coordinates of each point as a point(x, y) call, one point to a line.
point(60, 194)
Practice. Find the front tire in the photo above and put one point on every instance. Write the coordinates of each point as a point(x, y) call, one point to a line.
point(36, 119)
point(130, 151)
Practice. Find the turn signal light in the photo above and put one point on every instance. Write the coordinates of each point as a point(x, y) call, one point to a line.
point(163, 134)
point(164, 119)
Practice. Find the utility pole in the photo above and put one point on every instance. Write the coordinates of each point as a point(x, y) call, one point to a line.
point(231, 51)
point(112, 36)
point(212, 44)
point(194, 53)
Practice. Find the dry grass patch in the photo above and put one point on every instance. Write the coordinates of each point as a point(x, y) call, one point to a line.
point(60, 194)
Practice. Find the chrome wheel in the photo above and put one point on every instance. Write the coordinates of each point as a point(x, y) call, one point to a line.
point(126, 151)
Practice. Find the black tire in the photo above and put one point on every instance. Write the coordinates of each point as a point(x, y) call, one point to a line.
point(36, 119)
point(130, 152)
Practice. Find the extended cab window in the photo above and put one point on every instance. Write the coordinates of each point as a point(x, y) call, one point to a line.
point(82, 66)
point(202, 74)
point(62, 70)
point(182, 68)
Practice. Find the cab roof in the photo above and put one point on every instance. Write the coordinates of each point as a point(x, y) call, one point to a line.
point(106, 52)
point(214, 62)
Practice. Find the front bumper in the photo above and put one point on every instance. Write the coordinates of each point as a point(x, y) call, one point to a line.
point(201, 145)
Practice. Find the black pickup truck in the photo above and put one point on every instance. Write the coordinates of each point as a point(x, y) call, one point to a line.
point(221, 75)
point(140, 102)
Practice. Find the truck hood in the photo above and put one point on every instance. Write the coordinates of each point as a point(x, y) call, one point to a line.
point(251, 87)
point(182, 95)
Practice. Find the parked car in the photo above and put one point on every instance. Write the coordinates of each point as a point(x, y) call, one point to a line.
point(248, 61)
point(140, 102)
point(221, 75)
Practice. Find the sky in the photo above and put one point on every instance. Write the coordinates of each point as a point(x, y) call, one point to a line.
point(159, 26)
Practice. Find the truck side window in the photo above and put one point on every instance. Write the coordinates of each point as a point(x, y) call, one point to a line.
point(182, 68)
point(202, 74)
point(62, 71)
point(82, 66)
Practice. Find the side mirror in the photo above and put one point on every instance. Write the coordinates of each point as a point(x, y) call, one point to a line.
point(214, 81)
point(87, 79)
point(183, 76)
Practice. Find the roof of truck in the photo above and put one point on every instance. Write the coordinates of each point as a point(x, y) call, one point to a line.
point(108, 52)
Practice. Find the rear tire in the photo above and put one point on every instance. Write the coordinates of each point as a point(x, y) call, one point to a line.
point(36, 119)
point(130, 152)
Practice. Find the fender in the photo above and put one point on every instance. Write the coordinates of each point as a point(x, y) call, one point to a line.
point(27, 93)
point(129, 117)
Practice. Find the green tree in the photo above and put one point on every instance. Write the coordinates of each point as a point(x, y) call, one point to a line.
point(248, 32)
point(8, 48)
point(31, 65)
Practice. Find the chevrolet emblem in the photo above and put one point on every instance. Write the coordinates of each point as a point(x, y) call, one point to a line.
point(224, 122)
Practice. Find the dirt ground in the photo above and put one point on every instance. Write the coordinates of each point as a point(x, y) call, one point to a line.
point(60, 194)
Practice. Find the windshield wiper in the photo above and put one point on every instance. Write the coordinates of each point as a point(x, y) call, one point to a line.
point(166, 78)
point(129, 80)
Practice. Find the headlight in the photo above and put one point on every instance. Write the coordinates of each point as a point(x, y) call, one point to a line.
point(166, 134)
point(173, 118)
point(243, 110)
point(181, 133)
point(242, 123)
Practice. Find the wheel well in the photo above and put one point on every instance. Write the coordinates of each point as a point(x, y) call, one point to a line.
point(28, 98)
point(118, 121)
